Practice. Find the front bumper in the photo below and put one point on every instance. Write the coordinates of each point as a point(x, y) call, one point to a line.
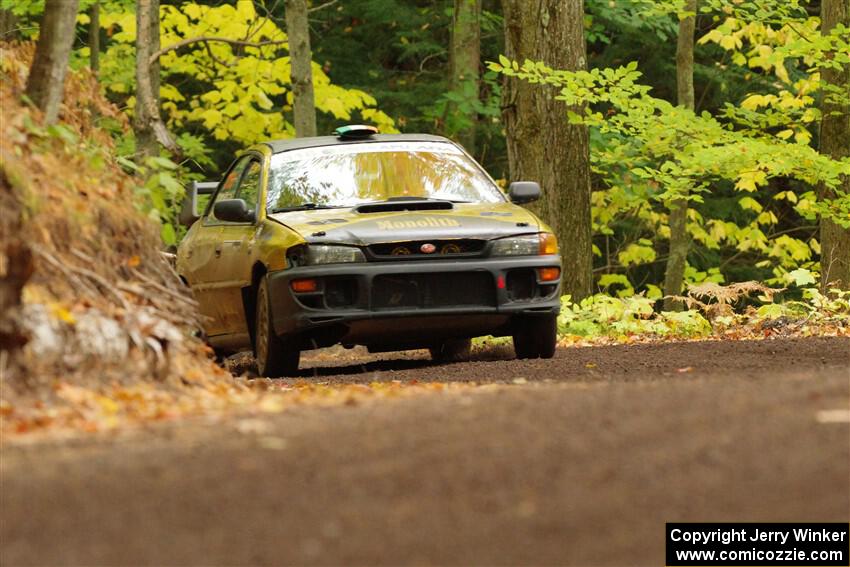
point(411, 304)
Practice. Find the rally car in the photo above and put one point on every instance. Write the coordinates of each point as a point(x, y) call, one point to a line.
point(394, 242)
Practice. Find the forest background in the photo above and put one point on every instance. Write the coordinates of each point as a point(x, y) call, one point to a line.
point(679, 143)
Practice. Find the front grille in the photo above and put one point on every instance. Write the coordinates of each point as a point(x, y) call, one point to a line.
point(455, 289)
point(442, 249)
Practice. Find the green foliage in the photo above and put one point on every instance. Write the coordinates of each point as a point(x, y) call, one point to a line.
point(214, 95)
point(650, 151)
point(47, 138)
point(395, 49)
point(161, 194)
point(830, 307)
point(681, 152)
point(629, 316)
point(621, 317)
point(237, 93)
point(746, 160)
point(398, 51)
point(469, 103)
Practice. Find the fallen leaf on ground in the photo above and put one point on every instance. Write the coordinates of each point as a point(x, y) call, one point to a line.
point(833, 416)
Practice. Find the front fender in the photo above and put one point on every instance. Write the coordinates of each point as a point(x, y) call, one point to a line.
point(273, 242)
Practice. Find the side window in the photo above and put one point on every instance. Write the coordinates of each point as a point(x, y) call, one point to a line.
point(249, 188)
point(228, 187)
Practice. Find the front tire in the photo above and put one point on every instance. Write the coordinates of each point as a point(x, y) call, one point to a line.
point(453, 350)
point(275, 357)
point(535, 337)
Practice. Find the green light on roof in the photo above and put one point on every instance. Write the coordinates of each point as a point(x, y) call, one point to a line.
point(356, 131)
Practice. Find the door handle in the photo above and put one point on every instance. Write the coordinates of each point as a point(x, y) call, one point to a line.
point(218, 250)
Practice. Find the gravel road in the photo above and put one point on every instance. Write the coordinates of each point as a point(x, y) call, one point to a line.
point(578, 460)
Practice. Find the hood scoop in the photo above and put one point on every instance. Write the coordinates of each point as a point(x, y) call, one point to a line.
point(398, 204)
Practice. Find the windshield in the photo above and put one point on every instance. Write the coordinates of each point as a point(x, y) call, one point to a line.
point(345, 176)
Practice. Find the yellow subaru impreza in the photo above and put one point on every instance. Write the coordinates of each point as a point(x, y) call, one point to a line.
point(394, 242)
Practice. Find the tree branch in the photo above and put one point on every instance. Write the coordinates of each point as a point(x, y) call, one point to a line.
point(207, 39)
point(796, 31)
point(321, 6)
point(216, 59)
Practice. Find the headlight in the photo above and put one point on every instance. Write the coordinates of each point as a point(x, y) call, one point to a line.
point(541, 244)
point(322, 254)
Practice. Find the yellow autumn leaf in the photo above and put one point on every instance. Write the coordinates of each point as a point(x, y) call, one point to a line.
point(245, 9)
point(170, 92)
point(192, 10)
point(108, 405)
point(211, 117)
point(753, 102)
point(802, 136)
point(748, 203)
point(263, 101)
point(750, 180)
point(730, 42)
point(211, 96)
point(782, 74)
point(766, 217)
point(62, 314)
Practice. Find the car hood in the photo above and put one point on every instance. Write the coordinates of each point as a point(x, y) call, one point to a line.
point(474, 220)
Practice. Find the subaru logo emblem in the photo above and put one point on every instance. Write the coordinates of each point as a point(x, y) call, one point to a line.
point(428, 248)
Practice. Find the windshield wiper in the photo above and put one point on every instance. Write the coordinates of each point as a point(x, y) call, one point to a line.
point(304, 207)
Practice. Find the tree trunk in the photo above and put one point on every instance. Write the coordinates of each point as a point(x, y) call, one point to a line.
point(465, 58)
point(674, 274)
point(16, 267)
point(46, 81)
point(542, 145)
point(835, 142)
point(150, 130)
point(301, 58)
point(94, 38)
point(8, 25)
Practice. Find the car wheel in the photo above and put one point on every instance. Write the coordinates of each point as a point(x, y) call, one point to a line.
point(535, 337)
point(275, 357)
point(454, 350)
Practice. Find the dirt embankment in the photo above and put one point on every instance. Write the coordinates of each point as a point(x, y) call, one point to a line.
point(87, 297)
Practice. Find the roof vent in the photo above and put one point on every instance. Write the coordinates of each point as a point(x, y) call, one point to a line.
point(355, 132)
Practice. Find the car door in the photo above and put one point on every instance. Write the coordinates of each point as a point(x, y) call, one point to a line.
point(207, 249)
point(236, 258)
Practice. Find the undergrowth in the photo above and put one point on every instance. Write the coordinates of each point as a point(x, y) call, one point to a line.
point(740, 310)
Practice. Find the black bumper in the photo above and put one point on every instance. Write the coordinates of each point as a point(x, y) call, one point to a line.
point(411, 303)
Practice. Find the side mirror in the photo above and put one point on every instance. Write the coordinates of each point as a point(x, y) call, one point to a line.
point(233, 210)
point(523, 192)
point(189, 212)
